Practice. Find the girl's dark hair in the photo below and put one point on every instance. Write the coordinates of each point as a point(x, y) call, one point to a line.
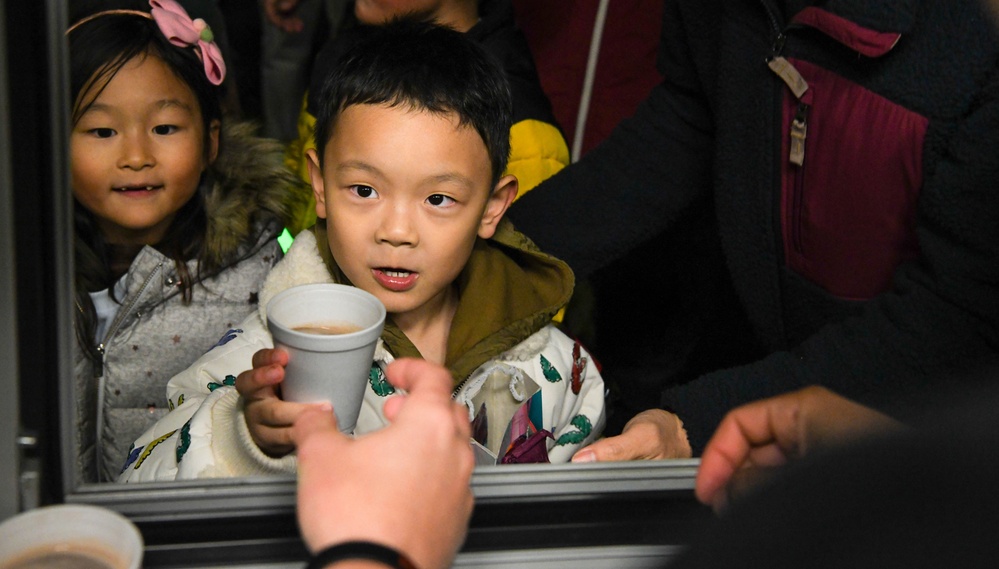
point(98, 49)
point(426, 66)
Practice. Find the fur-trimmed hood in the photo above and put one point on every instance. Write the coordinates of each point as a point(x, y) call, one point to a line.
point(251, 188)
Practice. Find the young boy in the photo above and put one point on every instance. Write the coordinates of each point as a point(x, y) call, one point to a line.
point(411, 142)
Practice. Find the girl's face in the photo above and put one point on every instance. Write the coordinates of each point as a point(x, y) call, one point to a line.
point(137, 153)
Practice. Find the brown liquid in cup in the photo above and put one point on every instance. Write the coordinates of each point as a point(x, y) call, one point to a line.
point(328, 329)
point(66, 556)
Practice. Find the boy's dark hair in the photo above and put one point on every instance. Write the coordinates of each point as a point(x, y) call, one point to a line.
point(424, 66)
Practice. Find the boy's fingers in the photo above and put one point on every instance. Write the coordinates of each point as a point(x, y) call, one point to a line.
point(274, 441)
point(261, 358)
point(266, 357)
point(251, 382)
point(275, 413)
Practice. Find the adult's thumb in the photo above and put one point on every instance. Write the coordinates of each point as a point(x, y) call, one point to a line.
point(314, 421)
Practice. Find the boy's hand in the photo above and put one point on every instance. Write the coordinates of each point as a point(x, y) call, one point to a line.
point(269, 418)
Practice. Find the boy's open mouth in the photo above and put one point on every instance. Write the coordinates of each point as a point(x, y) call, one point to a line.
point(395, 279)
point(396, 273)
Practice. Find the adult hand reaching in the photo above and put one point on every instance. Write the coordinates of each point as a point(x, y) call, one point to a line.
point(765, 434)
point(405, 486)
point(652, 434)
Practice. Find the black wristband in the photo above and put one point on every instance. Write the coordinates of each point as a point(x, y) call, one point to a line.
point(360, 550)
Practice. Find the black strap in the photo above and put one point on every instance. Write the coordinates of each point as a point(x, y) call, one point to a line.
point(360, 550)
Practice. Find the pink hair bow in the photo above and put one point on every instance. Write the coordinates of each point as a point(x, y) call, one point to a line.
point(182, 31)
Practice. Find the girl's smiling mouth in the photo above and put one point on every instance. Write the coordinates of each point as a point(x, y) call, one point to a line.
point(137, 188)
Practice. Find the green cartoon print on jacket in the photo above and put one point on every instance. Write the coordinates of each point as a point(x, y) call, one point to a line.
point(582, 423)
point(549, 371)
point(379, 383)
point(229, 380)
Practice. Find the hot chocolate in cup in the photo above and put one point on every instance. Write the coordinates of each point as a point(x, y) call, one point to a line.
point(330, 332)
point(70, 535)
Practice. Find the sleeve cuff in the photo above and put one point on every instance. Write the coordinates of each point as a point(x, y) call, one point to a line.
point(234, 450)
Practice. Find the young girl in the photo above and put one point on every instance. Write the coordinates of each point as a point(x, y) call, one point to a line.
point(176, 217)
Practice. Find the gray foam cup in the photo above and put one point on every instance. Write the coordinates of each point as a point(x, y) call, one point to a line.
point(327, 367)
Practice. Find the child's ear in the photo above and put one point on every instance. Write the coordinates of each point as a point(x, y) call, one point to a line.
point(214, 128)
point(500, 199)
point(316, 176)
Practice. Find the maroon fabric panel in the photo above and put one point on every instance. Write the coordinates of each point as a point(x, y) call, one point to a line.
point(626, 68)
point(871, 43)
point(559, 34)
point(848, 215)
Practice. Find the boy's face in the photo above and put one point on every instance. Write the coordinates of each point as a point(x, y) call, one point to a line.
point(405, 194)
